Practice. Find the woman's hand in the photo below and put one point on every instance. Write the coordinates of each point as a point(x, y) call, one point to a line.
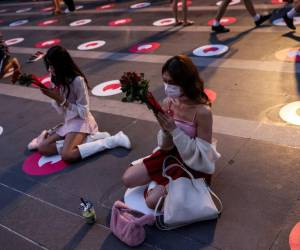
point(166, 122)
point(53, 94)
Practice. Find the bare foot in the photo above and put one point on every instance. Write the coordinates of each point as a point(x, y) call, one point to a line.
point(178, 23)
point(188, 23)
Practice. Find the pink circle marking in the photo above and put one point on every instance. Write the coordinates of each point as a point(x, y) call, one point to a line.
point(105, 7)
point(144, 48)
point(223, 21)
point(188, 3)
point(277, 1)
point(36, 164)
point(120, 22)
point(48, 43)
point(212, 96)
point(47, 22)
point(47, 9)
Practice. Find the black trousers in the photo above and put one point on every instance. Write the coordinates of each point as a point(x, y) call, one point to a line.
point(70, 4)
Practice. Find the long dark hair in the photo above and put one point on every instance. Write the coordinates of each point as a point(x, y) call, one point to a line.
point(65, 68)
point(185, 74)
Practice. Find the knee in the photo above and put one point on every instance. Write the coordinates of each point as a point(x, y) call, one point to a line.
point(127, 179)
point(68, 156)
point(151, 202)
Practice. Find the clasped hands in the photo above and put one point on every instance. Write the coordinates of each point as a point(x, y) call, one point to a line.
point(166, 122)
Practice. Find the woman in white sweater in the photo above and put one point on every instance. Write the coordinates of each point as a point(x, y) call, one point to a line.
point(186, 131)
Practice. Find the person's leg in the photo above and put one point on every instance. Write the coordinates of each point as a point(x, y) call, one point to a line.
point(175, 12)
point(70, 151)
point(217, 27)
point(288, 16)
point(57, 10)
point(258, 19)
point(48, 146)
point(154, 195)
point(136, 175)
point(14, 63)
point(186, 22)
point(70, 4)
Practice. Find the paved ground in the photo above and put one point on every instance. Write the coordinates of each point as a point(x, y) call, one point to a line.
point(257, 177)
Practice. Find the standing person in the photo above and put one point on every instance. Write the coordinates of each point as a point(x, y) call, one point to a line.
point(185, 21)
point(7, 62)
point(258, 19)
point(57, 10)
point(288, 17)
point(185, 131)
point(70, 98)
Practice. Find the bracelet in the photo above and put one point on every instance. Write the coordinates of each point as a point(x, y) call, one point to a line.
point(63, 102)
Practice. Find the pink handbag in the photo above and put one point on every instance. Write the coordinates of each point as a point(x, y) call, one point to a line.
point(128, 224)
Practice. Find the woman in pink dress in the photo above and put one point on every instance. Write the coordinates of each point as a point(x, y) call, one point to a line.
point(74, 138)
point(186, 132)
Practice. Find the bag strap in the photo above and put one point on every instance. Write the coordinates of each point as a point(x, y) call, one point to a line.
point(178, 164)
point(217, 198)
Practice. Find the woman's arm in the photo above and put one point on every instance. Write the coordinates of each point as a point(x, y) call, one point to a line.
point(197, 153)
point(81, 106)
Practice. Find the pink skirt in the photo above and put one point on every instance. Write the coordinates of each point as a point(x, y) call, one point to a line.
point(78, 125)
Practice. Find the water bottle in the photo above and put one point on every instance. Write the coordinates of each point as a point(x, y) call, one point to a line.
point(88, 211)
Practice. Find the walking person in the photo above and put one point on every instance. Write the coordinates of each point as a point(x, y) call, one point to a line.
point(258, 19)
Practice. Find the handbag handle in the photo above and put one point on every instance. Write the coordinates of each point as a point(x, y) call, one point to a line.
point(179, 164)
point(217, 198)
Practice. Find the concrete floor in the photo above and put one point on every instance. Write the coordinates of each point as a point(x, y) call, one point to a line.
point(257, 177)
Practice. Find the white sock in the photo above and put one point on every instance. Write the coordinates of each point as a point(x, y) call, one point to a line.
point(216, 23)
point(292, 13)
point(256, 17)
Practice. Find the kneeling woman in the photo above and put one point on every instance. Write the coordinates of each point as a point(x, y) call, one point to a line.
point(77, 137)
point(186, 131)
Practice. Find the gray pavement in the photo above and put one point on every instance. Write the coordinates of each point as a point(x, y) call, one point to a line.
point(257, 177)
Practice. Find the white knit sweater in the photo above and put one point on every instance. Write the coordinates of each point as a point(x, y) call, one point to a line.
point(196, 153)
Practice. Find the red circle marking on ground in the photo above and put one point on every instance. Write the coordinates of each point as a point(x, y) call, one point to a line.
point(47, 22)
point(212, 96)
point(120, 22)
point(144, 48)
point(223, 21)
point(105, 7)
point(112, 86)
point(188, 3)
point(277, 2)
point(48, 43)
point(289, 55)
point(36, 164)
point(294, 238)
point(47, 9)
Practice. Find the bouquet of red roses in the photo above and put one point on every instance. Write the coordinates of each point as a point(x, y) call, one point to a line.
point(30, 79)
point(135, 87)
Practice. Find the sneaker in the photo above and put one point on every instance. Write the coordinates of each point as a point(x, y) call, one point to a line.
point(289, 22)
point(219, 29)
point(262, 19)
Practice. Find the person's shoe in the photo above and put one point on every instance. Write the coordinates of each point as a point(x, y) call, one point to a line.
point(289, 22)
point(262, 19)
point(219, 29)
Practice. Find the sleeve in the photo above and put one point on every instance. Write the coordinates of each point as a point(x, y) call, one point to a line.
point(164, 140)
point(81, 106)
point(195, 152)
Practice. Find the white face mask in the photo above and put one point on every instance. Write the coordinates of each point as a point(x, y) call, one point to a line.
point(172, 90)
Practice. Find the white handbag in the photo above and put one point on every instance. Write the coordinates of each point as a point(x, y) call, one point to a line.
point(187, 200)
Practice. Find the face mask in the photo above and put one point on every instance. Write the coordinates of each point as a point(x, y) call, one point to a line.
point(172, 90)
